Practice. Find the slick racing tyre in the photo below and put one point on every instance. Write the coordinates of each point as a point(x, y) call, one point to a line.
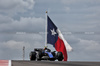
point(60, 56)
point(33, 56)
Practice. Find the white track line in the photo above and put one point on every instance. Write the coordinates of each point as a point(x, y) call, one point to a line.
point(9, 63)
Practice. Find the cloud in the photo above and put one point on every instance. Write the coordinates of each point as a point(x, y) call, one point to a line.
point(89, 45)
point(25, 24)
point(18, 45)
point(15, 45)
point(67, 9)
point(12, 49)
point(29, 24)
point(5, 19)
point(85, 50)
point(15, 6)
point(11, 45)
point(82, 6)
point(12, 39)
point(81, 15)
point(68, 2)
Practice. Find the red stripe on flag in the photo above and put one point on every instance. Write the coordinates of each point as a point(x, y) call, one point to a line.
point(4, 62)
point(60, 47)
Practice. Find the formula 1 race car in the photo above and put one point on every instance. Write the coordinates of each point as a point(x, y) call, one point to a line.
point(45, 54)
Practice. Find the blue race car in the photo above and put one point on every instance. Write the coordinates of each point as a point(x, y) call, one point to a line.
point(45, 54)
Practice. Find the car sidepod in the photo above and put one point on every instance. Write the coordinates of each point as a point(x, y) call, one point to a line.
point(49, 54)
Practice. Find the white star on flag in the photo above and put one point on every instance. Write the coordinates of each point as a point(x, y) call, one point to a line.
point(53, 32)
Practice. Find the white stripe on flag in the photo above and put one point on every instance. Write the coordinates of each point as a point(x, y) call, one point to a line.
point(68, 47)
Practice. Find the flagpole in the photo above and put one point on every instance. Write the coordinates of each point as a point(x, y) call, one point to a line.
point(46, 30)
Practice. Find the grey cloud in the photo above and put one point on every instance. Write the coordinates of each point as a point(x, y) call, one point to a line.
point(11, 48)
point(23, 25)
point(14, 6)
point(5, 19)
point(85, 50)
point(11, 42)
point(80, 1)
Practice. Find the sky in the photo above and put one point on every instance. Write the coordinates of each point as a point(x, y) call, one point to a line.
point(22, 23)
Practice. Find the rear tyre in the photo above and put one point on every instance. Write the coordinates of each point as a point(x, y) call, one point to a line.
point(33, 56)
point(60, 56)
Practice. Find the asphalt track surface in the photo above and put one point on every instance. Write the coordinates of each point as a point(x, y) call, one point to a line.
point(53, 63)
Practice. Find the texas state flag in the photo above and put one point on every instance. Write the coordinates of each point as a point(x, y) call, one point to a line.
point(55, 38)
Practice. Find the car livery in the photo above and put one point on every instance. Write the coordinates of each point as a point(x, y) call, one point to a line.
point(45, 54)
